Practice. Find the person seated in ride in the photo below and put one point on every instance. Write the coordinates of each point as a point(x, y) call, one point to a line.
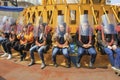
point(117, 60)
point(99, 39)
point(118, 33)
point(107, 39)
point(8, 32)
point(61, 40)
point(11, 42)
point(26, 38)
point(42, 43)
point(86, 40)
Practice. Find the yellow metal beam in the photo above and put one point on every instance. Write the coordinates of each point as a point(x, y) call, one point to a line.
point(115, 14)
point(52, 16)
point(93, 11)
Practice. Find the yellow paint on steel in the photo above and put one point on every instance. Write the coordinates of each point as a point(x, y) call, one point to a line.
point(115, 14)
point(80, 8)
point(93, 11)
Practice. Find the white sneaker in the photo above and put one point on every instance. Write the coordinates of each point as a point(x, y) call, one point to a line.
point(9, 56)
point(114, 68)
point(4, 55)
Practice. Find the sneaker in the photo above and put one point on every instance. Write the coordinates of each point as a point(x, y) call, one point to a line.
point(90, 65)
point(114, 68)
point(31, 63)
point(21, 58)
point(4, 55)
point(78, 65)
point(43, 65)
point(9, 56)
point(55, 64)
point(68, 66)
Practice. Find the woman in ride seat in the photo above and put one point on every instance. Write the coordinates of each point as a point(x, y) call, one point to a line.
point(61, 40)
point(26, 38)
point(42, 43)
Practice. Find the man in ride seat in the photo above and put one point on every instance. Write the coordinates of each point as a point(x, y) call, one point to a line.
point(117, 60)
point(107, 38)
point(85, 39)
point(61, 40)
point(42, 43)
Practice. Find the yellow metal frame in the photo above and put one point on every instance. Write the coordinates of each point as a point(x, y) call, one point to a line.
point(51, 5)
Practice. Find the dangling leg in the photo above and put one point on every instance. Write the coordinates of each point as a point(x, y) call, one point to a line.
point(66, 54)
point(54, 53)
point(93, 54)
point(109, 52)
point(32, 50)
point(20, 49)
point(117, 58)
point(8, 47)
point(80, 54)
point(5, 49)
point(41, 52)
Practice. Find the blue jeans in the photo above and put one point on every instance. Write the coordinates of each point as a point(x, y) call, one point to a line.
point(91, 51)
point(117, 58)
point(110, 54)
point(40, 50)
point(64, 51)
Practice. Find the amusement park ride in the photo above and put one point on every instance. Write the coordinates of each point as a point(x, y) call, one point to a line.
point(71, 9)
point(49, 10)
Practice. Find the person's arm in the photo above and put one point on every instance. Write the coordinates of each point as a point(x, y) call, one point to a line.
point(54, 40)
point(103, 42)
point(78, 39)
point(24, 42)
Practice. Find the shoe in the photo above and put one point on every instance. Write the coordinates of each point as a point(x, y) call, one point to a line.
point(24, 55)
point(4, 55)
point(21, 58)
point(78, 65)
point(55, 64)
point(90, 65)
point(114, 68)
point(43, 65)
point(68, 66)
point(31, 63)
point(9, 56)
